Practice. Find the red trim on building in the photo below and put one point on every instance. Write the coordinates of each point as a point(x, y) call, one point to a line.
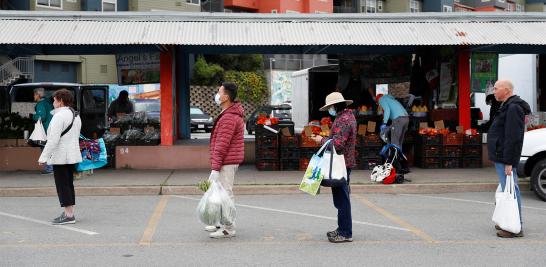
point(464, 87)
point(166, 88)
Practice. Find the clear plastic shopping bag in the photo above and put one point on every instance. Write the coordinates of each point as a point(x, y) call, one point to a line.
point(216, 207)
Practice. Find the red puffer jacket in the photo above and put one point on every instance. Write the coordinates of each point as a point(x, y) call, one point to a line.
point(227, 143)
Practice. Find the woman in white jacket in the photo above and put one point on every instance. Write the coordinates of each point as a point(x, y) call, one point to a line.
point(62, 150)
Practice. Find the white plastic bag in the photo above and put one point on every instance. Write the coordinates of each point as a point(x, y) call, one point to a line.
point(38, 136)
point(216, 207)
point(333, 168)
point(506, 214)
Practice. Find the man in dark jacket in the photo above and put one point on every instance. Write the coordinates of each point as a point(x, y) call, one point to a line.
point(505, 139)
point(227, 149)
point(122, 104)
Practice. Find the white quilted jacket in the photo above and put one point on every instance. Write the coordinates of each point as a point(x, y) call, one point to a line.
point(66, 149)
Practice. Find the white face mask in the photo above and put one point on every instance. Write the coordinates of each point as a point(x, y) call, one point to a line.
point(332, 111)
point(217, 99)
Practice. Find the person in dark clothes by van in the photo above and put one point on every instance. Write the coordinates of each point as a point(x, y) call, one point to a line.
point(122, 104)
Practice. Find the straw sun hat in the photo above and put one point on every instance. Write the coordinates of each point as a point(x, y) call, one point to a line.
point(334, 98)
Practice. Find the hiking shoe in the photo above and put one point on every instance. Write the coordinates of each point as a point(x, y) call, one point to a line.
point(340, 239)
point(332, 233)
point(506, 234)
point(223, 233)
point(64, 220)
point(211, 228)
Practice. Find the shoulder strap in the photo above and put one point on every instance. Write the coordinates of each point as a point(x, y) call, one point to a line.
point(72, 122)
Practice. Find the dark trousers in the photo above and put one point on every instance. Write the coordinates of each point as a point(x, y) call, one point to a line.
point(342, 202)
point(64, 182)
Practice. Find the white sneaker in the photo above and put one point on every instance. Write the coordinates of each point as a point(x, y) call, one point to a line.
point(223, 233)
point(211, 228)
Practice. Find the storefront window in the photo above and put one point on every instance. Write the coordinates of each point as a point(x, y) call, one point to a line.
point(415, 6)
point(368, 6)
point(109, 5)
point(50, 3)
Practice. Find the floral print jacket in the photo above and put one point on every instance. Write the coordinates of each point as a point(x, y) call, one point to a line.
point(343, 135)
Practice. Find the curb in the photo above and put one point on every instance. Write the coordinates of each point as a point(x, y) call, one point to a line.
point(439, 188)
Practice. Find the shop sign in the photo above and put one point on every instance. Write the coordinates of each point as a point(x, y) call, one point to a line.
point(138, 68)
point(484, 72)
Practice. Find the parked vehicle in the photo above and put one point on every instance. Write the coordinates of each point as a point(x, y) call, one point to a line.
point(152, 107)
point(533, 161)
point(199, 120)
point(90, 101)
point(282, 112)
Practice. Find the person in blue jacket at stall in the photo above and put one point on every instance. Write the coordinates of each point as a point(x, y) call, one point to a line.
point(394, 111)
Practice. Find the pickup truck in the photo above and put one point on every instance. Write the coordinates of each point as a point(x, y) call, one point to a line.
point(533, 161)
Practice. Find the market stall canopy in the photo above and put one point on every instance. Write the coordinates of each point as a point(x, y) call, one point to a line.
point(240, 29)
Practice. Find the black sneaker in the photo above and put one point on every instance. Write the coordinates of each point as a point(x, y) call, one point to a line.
point(64, 220)
point(46, 172)
point(332, 233)
point(340, 239)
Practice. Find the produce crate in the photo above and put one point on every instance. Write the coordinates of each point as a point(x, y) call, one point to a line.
point(453, 139)
point(468, 163)
point(368, 152)
point(429, 139)
point(267, 165)
point(307, 152)
point(472, 150)
point(289, 153)
point(453, 151)
point(267, 141)
point(428, 151)
point(304, 162)
point(472, 139)
point(372, 140)
point(261, 131)
point(289, 141)
point(429, 163)
point(267, 153)
point(451, 163)
point(368, 164)
point(290, 165)
point(307, 141)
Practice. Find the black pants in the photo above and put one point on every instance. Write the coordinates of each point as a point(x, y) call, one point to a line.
point(342, 202)
point(64, 182)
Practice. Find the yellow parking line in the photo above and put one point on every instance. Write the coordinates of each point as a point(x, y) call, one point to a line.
point(152, 223)
point(418, 232)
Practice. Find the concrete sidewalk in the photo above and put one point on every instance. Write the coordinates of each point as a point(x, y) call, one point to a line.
point(248, 181)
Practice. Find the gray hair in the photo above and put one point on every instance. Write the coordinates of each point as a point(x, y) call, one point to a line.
point(40, 91)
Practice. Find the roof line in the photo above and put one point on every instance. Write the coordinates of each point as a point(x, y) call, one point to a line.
point(162, 16)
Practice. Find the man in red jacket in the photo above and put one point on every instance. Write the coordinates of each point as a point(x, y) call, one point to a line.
point(227, 148)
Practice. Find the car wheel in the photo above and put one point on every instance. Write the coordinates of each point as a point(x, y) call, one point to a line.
point(538, 179)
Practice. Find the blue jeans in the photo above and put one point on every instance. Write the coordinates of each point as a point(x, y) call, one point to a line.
point(342, 202)
point(499, 167)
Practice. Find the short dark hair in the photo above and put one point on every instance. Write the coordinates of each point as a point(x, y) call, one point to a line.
point(230, 89)
point(124, 93)
point(66, 96)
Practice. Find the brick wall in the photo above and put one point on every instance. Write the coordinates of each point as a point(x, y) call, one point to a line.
point(203, 97)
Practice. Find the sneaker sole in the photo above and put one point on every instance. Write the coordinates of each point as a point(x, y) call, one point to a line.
point(224, 236)
point(63, 223)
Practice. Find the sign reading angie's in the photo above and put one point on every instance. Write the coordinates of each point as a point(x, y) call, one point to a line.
point(138, 68)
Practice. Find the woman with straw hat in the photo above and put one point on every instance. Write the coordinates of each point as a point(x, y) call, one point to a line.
point(343, 135)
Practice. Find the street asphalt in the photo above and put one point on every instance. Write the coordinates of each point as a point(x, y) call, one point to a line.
point(276, 230)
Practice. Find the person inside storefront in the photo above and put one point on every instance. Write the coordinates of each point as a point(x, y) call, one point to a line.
point(352, 85)
point(122, 105)
point(43, 109)
point(495, 105)
point(343, 136)
point(394, 111)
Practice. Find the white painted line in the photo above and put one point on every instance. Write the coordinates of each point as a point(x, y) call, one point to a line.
point(464, 200)
point(48, 223)
point(307, 215)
